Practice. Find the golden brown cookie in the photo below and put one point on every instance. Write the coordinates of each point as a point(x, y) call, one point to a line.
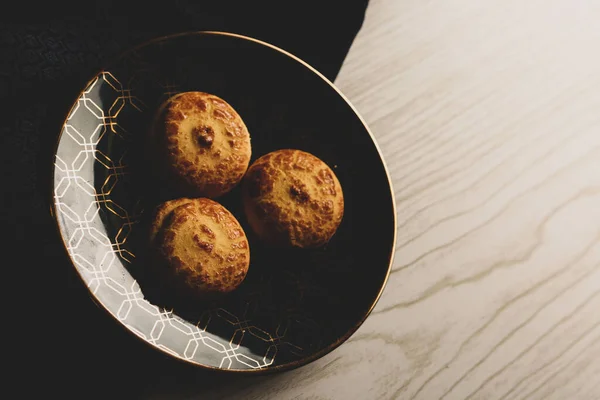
point(204, 247)
point(202, 144)
point(292, 198)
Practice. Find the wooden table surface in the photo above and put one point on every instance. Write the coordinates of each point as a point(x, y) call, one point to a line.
point(488, 116)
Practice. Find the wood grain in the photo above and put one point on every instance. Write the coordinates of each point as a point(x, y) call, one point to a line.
point(488, 115)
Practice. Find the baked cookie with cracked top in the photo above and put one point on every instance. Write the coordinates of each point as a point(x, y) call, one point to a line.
point(201, 245)
point(292, 198)
point(201, 144)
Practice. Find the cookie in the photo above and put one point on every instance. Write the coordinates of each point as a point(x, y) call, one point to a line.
point(203, 247)
point(292, 198)
point(200, 144)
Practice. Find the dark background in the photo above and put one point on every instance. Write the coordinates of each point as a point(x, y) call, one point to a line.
point(60, 342)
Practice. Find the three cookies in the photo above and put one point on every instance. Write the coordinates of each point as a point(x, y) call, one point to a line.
point(201, 148)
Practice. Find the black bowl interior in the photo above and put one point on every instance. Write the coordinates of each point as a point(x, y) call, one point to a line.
point(294, 305)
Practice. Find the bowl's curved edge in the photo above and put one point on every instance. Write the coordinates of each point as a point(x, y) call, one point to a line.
point(278, 368)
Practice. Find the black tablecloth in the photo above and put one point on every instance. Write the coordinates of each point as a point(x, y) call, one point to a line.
point(63, 342)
